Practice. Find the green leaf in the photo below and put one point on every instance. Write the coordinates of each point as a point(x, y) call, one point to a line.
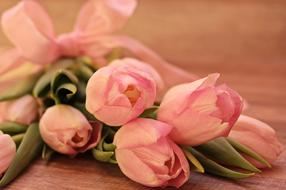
point(195, 163)
point(104, 151)
point(28, 150)
point(217, 169)
point(241, 148)
point(42, 86)
point(221, 151)
point(12, 128)
point(18, 138)
point(86, 61)
point(116, 53)
point(103, 156)
point(66, 91)
point(150, 113)
point(81, 92)
point(62, 77)
point(108, 146)
point(47, 153)
point(83, 71)
point(63, 86)
point(23, 87)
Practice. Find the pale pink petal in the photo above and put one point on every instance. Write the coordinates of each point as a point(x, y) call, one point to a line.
point(156, 156)
point(23, 110)
point(7, 153)
point(145, 68)
point(114, 115)
point(135, 169)
point(184, 91)
point(30, 29)
point(94, 137)
point(258, 136)
point(226, 106)
point(194, 128)
point(182, 163)
point(237, 101)
point(140, 132)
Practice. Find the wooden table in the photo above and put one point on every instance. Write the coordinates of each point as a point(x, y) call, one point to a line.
point(243, 40)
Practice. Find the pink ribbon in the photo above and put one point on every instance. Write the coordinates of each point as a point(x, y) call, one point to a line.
point(30, 29)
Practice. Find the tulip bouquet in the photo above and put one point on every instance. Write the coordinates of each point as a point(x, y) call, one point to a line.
point(92, 91)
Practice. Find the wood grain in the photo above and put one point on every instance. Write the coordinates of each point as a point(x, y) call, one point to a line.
point(244, 40)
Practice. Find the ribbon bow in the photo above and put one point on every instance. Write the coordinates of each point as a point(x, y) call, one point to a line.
point(30, 29)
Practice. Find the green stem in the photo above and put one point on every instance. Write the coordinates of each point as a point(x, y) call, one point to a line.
point(18, 138)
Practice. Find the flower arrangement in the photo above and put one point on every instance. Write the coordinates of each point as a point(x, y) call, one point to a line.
point(94, 91)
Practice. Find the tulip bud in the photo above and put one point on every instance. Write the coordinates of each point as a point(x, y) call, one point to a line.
point(257, 136)
point(146, 155)
point(7, 152)
point(120, 92)
point(66, 130)
point(23, 110)
point(200, 111)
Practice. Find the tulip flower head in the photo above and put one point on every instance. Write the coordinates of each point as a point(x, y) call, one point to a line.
point(23, 110)
point(155, 159)
point(200, 111)
point(66, 130)
point(120, 92)
point(257, 136)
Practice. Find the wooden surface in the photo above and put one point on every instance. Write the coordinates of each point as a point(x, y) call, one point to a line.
point(244, 40)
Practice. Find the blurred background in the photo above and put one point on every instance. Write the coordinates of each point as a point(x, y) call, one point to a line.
point(196, 31)
point(245, 40)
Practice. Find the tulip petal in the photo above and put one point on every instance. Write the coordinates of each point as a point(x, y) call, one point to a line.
point(140, 132)
point(181, 160)
point(199, 126)
point(145, 175)
point(237, 102)
point(94, 137)
point(184, 91)
point(257, 136)
point(7, 153)
point(146, 69)
point(18, 89)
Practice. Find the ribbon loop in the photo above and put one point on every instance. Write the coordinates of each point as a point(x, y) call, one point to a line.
point(102, 17)
point(30, 29)
point(68, 44)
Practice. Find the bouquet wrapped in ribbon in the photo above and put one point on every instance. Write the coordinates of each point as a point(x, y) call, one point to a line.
point(92, 91)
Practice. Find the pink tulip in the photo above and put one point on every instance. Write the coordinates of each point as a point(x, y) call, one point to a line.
point(120, 92)
point(2, 111)
point(66, 130)
point(7, 152)
point(259, 137)
point(146, 155)
point(200, 111)
point(23, 110)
